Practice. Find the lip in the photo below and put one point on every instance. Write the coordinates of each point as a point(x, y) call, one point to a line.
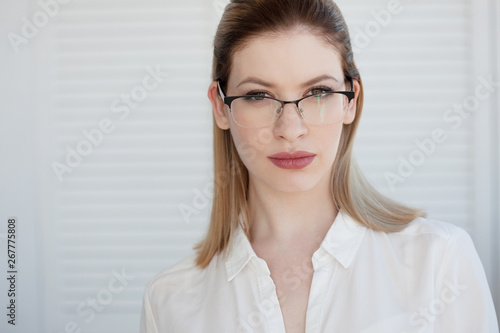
point(292, 160)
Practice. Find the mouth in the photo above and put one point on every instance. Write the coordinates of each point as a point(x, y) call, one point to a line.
point(292, 160)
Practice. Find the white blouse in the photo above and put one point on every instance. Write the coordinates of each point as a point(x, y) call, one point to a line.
point(426, 278)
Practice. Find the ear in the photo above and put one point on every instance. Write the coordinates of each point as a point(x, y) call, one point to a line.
point(351, 111)
point(218, 106)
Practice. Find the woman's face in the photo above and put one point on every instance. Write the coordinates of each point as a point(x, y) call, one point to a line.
point(286, 67)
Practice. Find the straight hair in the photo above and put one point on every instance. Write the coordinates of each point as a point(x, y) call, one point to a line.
point(242, 21)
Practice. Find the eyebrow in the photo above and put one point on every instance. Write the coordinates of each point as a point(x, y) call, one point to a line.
point(255, 80)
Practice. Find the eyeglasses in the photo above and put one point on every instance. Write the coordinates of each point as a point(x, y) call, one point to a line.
point(255, 111)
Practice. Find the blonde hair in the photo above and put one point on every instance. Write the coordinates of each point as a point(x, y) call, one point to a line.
point(246, 19)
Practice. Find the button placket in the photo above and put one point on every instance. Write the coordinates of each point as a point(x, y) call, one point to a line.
point(319, 285)
point(269, 304)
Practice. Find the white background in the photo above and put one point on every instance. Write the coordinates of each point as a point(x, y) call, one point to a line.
point(118, 212)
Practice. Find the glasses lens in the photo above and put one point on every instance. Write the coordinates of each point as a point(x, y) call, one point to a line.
point(255, 111)
point(324, 109)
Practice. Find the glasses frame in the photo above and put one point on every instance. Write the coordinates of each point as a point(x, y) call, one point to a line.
point(229, 99)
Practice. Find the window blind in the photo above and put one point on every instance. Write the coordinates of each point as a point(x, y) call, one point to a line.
point(128, 139)
point(415, 69)
point(124, 137)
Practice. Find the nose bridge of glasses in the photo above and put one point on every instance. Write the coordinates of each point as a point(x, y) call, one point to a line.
point(297, 108)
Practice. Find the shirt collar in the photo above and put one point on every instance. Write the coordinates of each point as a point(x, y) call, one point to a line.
point(343, 239)
point(241, 252)
point(341, 242)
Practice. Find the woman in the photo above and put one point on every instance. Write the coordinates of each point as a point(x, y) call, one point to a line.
point(298, 240)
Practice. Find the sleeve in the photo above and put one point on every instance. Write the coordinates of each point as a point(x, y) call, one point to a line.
point(463, 301)
point(148, 322)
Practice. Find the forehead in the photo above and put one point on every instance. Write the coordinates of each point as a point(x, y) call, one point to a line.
point(285, 58)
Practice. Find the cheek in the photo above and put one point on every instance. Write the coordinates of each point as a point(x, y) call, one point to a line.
point(251, 142)
point(330, 140)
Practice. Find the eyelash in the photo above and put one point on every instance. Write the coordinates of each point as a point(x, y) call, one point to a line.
point(263, 92)
point(324, 88)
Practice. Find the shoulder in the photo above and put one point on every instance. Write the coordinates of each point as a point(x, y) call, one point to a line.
point(449, 242)
point(177, 274)
point(172, 293)
point(428, 243)
point(459, 285)
point(181, 281)
point(435, 231)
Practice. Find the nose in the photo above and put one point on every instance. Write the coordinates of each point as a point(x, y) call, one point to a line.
point(290, 124)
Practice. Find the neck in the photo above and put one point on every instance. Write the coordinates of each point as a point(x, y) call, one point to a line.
point(284, 218)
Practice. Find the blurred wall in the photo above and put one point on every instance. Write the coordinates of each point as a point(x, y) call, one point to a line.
point(106, 139)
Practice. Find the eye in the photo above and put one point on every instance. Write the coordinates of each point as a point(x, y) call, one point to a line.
point(319, 91)
point(256, 95)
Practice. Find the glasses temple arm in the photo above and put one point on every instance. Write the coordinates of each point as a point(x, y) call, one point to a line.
point(220, 91)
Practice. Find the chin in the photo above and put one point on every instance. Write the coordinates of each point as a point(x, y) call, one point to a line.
point(293, 184)
point(295, 189)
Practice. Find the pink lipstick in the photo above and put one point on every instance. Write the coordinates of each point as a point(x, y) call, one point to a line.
point(292, 160)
